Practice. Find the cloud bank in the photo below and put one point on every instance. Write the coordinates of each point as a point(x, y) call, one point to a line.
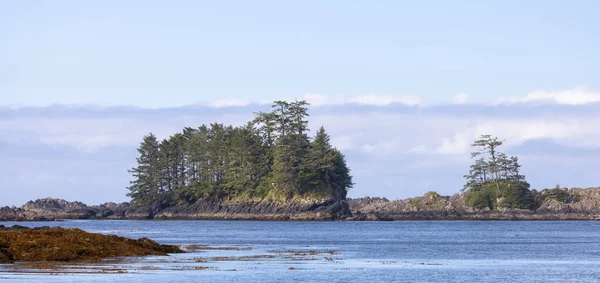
point(574, 96)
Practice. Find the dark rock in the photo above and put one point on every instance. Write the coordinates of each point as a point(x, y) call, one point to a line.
point(259, 210)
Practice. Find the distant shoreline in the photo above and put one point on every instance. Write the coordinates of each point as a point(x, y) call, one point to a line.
point(572, 204)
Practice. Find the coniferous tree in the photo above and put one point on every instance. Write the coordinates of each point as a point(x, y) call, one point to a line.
point(147, 176)
point(327, 171)
point(269, 157)
point(284, 174)
point(282, 116)
point(340, 176)
point(494, 180)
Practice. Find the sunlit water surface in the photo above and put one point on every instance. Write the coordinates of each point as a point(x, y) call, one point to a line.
point(413, 251)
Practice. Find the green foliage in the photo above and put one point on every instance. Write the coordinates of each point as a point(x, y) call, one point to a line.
point(493, 176)
point(270, 157)
point(516, 195)
point(147, 175)
point(483, 197)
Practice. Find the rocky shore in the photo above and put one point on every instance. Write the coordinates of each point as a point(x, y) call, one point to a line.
point(49, 209)
point(19, 243)
point(554, 204)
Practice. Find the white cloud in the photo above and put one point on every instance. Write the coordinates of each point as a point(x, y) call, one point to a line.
point(318, 100)
point(228, 103)
point(574, 96)
point(382, 133)
point(84, 134)
point(383, 100)
point(461, 98)
point(459, 144)
point(383, 145)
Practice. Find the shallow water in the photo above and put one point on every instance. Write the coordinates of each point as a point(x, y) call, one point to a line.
point(407, 251)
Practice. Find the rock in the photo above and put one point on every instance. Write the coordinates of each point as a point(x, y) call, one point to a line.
point(551, 204)
point(297, 209)
point(555, 204)
point(58, 244)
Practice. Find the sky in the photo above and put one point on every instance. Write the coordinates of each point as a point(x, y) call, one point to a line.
point(402, 86)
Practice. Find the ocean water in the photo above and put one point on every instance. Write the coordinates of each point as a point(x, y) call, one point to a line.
point(403, 251)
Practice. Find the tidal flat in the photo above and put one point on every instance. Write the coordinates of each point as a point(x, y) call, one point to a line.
point(407, 251)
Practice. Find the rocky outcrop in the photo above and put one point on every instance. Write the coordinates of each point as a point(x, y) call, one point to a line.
point(430, 206)
point(297, 209)
point(576, 200)
point(555, 204)
point(57, 244)
point(53, 209)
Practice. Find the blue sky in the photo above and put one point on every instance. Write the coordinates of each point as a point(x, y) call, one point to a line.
point(402, 86)
point(162, 54)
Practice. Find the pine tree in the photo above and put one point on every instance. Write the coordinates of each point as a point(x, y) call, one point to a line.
point(298, 113)
point(284, 174)
point(495, 178)
point(488, 145)
point(269, 157)
point(327, 171)
point(144, 187)
point(281, 113)
point(340, 177)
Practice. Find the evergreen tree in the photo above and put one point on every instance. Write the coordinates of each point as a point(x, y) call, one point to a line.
point(282, 116)
point(495, 179)
point(298, 112)
point(284, 174)
point(340, 176)
point(326, 172)
point(269, 157)
point(144, 187)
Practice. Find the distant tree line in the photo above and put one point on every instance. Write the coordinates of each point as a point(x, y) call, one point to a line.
point(270, 157)
point(495, 179)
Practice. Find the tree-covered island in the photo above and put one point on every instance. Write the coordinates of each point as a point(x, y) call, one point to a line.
point(495, 179)
point(270, 158)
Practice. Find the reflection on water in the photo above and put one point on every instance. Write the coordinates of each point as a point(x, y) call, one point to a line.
point(414, 251)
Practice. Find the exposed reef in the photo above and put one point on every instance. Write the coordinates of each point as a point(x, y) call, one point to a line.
point(21, 244)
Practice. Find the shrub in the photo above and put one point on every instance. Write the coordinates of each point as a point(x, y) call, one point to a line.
point(516, 195)
point(482, 197)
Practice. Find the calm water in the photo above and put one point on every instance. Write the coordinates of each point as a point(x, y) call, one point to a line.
point(419, 251)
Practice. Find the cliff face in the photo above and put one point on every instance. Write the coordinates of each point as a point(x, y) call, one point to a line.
point(556, 204)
